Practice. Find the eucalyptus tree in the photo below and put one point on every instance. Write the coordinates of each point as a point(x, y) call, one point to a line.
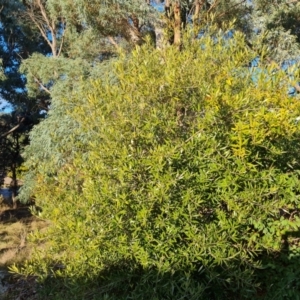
point(58, 42)
point(80, 35)
point(269, 25)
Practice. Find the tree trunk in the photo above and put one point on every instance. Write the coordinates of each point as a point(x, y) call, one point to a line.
point(14, 185)
point(196, 15)
point(168, 9)
point(160, 37)
point(177, 24)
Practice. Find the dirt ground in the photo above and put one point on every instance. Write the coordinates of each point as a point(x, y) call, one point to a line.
point(16, 222)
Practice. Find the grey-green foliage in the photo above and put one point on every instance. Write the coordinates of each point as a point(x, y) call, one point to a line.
point(275, 23)
point(81, 39)
point(106, 16)
point(18, 41)
point(271, 27)
point(58, 72)
point(90, 26)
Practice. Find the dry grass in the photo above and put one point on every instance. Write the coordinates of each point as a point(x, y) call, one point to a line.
point(15, 225)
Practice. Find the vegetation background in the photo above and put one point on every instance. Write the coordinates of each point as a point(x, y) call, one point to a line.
point(162, 147)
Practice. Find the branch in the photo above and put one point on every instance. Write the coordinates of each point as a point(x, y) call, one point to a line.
point(51, 26)
point(41, 85)
point(13, 129)
point(111, 39)
point(43, 105)
point(40, 29)
point(297, 87)
point(62, 40)
point(214, 5)
point(233, 6)
point(43, 12)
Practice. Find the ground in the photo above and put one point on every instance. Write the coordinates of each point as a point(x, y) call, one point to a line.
point(16, 222)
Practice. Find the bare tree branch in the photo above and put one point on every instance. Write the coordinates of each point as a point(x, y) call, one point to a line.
point(43, 12)
point(51, 26)
point(43, 23)
point(41, 85)
point(62, 39)
point(42, 31)
point(297, 87)
point(13, 129)
point(213, 6)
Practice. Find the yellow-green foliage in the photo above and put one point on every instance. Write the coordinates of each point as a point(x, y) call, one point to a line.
point(181, 163)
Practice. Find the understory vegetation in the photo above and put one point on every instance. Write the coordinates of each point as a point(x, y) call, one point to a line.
point(175, 176)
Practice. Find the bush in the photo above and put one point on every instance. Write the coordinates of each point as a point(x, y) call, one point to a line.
point(177, 178)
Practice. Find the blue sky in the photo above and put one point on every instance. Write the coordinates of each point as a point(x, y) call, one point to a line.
point(5, 107)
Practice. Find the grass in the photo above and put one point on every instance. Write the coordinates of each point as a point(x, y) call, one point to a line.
point(15, 225)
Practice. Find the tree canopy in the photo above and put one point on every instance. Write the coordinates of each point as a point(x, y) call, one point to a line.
point(48, 45)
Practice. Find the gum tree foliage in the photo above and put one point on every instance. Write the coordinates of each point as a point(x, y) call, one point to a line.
point(81, 34)
point(173, 177)
point(18, 42)
point(269, 25)
point(58, 42)
point(276, 23)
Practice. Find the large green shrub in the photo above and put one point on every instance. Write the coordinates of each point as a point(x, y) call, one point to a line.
point(176, 177)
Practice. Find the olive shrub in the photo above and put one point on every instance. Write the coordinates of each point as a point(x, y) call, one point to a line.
point(176, 176)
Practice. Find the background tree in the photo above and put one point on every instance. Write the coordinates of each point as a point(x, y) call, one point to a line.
point(18, 42)
point(80, 35)
point(60, 42)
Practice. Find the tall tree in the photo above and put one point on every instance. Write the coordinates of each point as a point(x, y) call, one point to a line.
point(269, 25)
point(18, 42)
point(80, 35)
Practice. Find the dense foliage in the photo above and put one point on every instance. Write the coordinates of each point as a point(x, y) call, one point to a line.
point(167, 172)
point(176, 177)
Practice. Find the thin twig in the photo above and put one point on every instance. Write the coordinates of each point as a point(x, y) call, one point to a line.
point(213, 6)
